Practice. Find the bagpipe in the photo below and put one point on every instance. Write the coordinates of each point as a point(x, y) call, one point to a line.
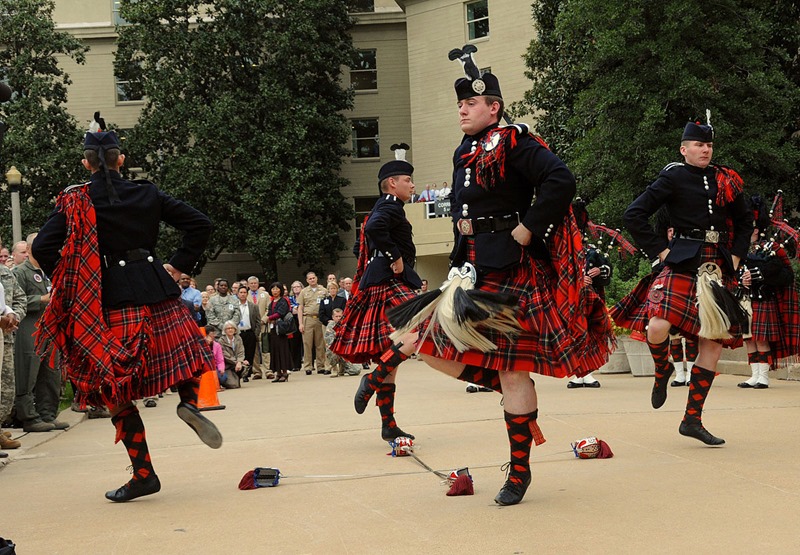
point(601, 241)
point(595, 258)
point(768, 259)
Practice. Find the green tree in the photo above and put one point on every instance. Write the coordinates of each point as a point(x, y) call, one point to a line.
point(243, 117)
point(43, 139)
point(617, 81)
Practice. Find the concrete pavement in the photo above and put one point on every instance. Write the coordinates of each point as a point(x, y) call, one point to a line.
point(341, 493)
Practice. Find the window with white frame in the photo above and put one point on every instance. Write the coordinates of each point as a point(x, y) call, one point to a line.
point(128, 91)
point(366, 138)
point(477, 19)
point(364, 75)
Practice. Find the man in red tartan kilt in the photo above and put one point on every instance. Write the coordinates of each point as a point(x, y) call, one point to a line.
point(115, 315)
point(385, 277)
point(508, 245)
point(712, 225)
point(767, 273)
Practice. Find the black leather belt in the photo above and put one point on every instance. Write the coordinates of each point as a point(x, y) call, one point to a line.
point(133, 255)
point(705, 235)
point(490, 224)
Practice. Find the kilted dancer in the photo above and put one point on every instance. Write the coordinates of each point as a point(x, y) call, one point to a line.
point(631, 312)
point(529, 252)
point(775, 324)
point(712, 226)
point(115, 315)
point(385, 277)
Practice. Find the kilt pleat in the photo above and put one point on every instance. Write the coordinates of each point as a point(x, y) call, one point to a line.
point(766, 322)
point(672, 296)
point(547, 345)
point(160, 346)
point(631, 310)
point(363, 333)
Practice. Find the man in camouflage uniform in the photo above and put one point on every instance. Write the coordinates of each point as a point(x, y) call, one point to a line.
point(338, 365)
point(15, 299)
point(38, 383)
point(223, 307)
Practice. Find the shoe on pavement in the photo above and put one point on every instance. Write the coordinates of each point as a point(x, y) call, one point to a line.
point(99, 412)
point(9, 443)
point(472, 388)
point(38, 426)
point(58, 424)
point(76, 407)
point(203, 427)
point(134, 489)
point(697, 431)
point(511, 493)
point(3, 455)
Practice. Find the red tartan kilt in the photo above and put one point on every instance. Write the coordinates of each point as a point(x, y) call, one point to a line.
point(766, 322)
point(165, 348)
point(363, 333)
point(673, 297)
point(547, 346)
point(631, 311)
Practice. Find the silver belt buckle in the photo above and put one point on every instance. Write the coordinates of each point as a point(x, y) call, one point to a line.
point(712, 236)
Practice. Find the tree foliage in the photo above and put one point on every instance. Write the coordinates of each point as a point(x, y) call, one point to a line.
point(43, 140)
point(617, 81)
point(243, 117)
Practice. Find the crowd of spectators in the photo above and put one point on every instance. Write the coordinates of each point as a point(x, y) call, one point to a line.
point(431, 193)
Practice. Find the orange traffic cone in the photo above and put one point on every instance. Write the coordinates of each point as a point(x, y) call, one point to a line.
point(207, 396)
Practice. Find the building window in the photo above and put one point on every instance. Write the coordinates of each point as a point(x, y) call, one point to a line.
point(364, 76)
point(366, 139)
point(116, 19)
point(128, 90)
point(362, 206)
point(478, 19)
point(361, 6)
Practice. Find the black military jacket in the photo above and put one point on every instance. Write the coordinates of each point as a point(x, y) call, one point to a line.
point(127, 226)
point(537, 185)
point(389, 237)
point(690, 194)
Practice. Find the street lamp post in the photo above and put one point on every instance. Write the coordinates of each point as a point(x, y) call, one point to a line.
point(14, 180)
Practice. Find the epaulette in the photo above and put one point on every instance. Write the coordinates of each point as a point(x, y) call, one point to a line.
point(672, 165)
point(522, 128)
point(73, 187)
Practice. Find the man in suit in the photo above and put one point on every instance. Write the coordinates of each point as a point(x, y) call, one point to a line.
point(249, 327)
point(347, 286)
point(261, 300)
point(115, 315)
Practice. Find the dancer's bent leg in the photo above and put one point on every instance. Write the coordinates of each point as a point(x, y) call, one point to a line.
point(388, 363)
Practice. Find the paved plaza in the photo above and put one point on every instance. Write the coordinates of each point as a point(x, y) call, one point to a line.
point(342, 494)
